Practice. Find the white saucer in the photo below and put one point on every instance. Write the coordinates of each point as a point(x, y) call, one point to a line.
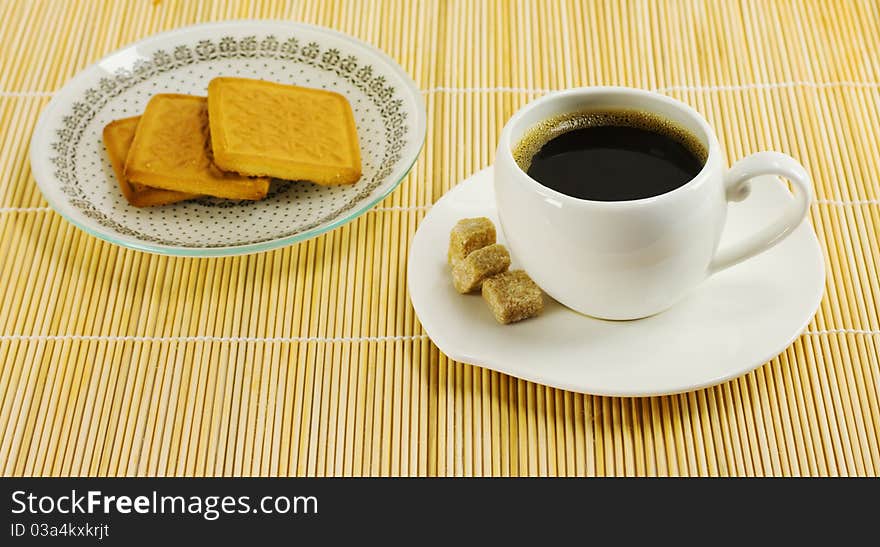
point(732, 323)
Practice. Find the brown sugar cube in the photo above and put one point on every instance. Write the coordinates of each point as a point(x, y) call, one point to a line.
point(469, 273)
point(513, 296)
point(468, 235)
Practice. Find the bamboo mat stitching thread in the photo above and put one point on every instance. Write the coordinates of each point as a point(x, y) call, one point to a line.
point(505, 89)
point(695, 88)
point(284, 339)
point(404, 208)
point(201, 338)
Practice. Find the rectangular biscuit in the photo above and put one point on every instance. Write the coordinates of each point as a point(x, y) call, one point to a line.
point(469, 273)
point(118, 135)
point(171, 150)
point(296, 133)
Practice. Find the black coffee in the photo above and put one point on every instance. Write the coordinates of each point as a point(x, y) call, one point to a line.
point(610, 156)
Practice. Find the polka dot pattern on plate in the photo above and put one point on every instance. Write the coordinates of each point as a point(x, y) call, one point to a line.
point(292, 208)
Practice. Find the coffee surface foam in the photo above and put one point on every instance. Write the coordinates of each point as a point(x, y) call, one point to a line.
point(543, 132)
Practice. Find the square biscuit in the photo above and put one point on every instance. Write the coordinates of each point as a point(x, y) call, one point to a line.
point(118, 135)
point(172, 150)
point(288, 132)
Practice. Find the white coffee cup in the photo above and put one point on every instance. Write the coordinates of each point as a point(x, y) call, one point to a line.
point(632, 259)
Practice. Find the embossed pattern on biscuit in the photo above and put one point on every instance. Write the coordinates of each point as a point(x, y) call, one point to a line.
point(303, 127)
point(284, 131)
point(172, 150)
point(172, 153)
point(178, 139)
point(118, 136)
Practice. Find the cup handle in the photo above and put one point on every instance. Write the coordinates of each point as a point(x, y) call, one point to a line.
point(736, 185)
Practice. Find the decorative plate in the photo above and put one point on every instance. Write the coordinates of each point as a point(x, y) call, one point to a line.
point(73, 171)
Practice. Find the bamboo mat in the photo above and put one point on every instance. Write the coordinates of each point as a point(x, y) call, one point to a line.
point(309, 360)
